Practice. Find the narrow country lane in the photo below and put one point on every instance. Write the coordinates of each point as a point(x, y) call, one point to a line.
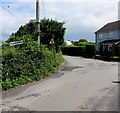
point(82, 85)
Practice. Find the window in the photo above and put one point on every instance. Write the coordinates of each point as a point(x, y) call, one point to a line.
point(110, 47)
point(110, 33)
point(100, 36)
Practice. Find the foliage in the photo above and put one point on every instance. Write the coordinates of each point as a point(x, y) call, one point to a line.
point(5, 45)
point(108, 58)
point(28, 62)
point(83, 43)
point(75, 43)
point(117, 51)
point(48, 29)
point(90, 50)
point(73, 50)
point(64, 44)
point(86, 51)
point(81, 48)
point(52, 29)
point(83, 40)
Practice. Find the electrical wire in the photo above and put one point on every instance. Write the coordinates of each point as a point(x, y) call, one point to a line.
point(43, 9)
point(6, 9)
point(9, 12)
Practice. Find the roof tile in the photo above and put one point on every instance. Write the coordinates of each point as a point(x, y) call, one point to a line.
point(110, 26)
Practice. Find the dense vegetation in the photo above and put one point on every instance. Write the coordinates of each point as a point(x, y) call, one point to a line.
point(49, 29)
point(28, 62)
point(73, 50)
point(81, 48)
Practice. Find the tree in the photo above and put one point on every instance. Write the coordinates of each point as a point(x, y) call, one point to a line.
point(83, 43)
point(52, 29)
point(83, 40)
point(49, 29)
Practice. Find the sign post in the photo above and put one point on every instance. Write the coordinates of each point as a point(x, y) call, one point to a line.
point(37, 19)
point(51, 43)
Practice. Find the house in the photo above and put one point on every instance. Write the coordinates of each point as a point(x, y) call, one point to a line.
point(68, 43)
point(75, 42)
point(108, 38)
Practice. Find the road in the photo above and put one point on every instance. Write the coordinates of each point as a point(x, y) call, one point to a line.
point(81, 85)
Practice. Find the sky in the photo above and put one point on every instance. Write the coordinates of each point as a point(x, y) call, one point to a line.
point(83, 17)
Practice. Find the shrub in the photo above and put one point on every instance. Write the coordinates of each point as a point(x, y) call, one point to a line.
point(83, 40)
point(83, 43)
point(28, 62)
point(64, 44)
point(117, 50)
point(73, 50)
point(49, 29)
point(86, 51)
point(90, 50)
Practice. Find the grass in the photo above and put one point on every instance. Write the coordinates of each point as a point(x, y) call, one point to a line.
point(108, 58)
point(97, 55)
point(116, 57)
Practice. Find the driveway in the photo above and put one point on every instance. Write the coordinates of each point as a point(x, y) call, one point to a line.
point(81, 85)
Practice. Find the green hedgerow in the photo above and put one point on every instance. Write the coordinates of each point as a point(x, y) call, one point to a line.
point(28, 62)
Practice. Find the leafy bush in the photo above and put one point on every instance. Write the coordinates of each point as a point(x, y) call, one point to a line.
point(90, 50)
point(83, 40)
point(28, 62)
point(86, 51)
point(117, 51)
point(49, 29)
point(73, 50)
point(64, 44)
point(83, 43)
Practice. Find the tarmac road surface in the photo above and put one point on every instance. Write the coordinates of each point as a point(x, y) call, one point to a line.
point(81, 85)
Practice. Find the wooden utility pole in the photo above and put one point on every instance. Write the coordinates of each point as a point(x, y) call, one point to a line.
point(38, 19)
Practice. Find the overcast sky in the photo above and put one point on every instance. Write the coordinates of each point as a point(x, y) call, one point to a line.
point(83, 17)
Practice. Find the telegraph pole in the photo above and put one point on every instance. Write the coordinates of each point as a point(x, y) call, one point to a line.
point(38, 19)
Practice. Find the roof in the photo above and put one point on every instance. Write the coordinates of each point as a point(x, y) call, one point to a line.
point(110, 26)
point(117, 43)
point(76, 42)
point(111, 41)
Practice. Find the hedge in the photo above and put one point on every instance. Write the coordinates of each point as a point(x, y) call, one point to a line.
point(28, 62)
point(73, 50)
point(90, 50)
point(85, 51)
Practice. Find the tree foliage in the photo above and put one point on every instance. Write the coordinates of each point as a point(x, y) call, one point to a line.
point(83, 40)
point(52, 29)
point(48, 29)
point(83, 43)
